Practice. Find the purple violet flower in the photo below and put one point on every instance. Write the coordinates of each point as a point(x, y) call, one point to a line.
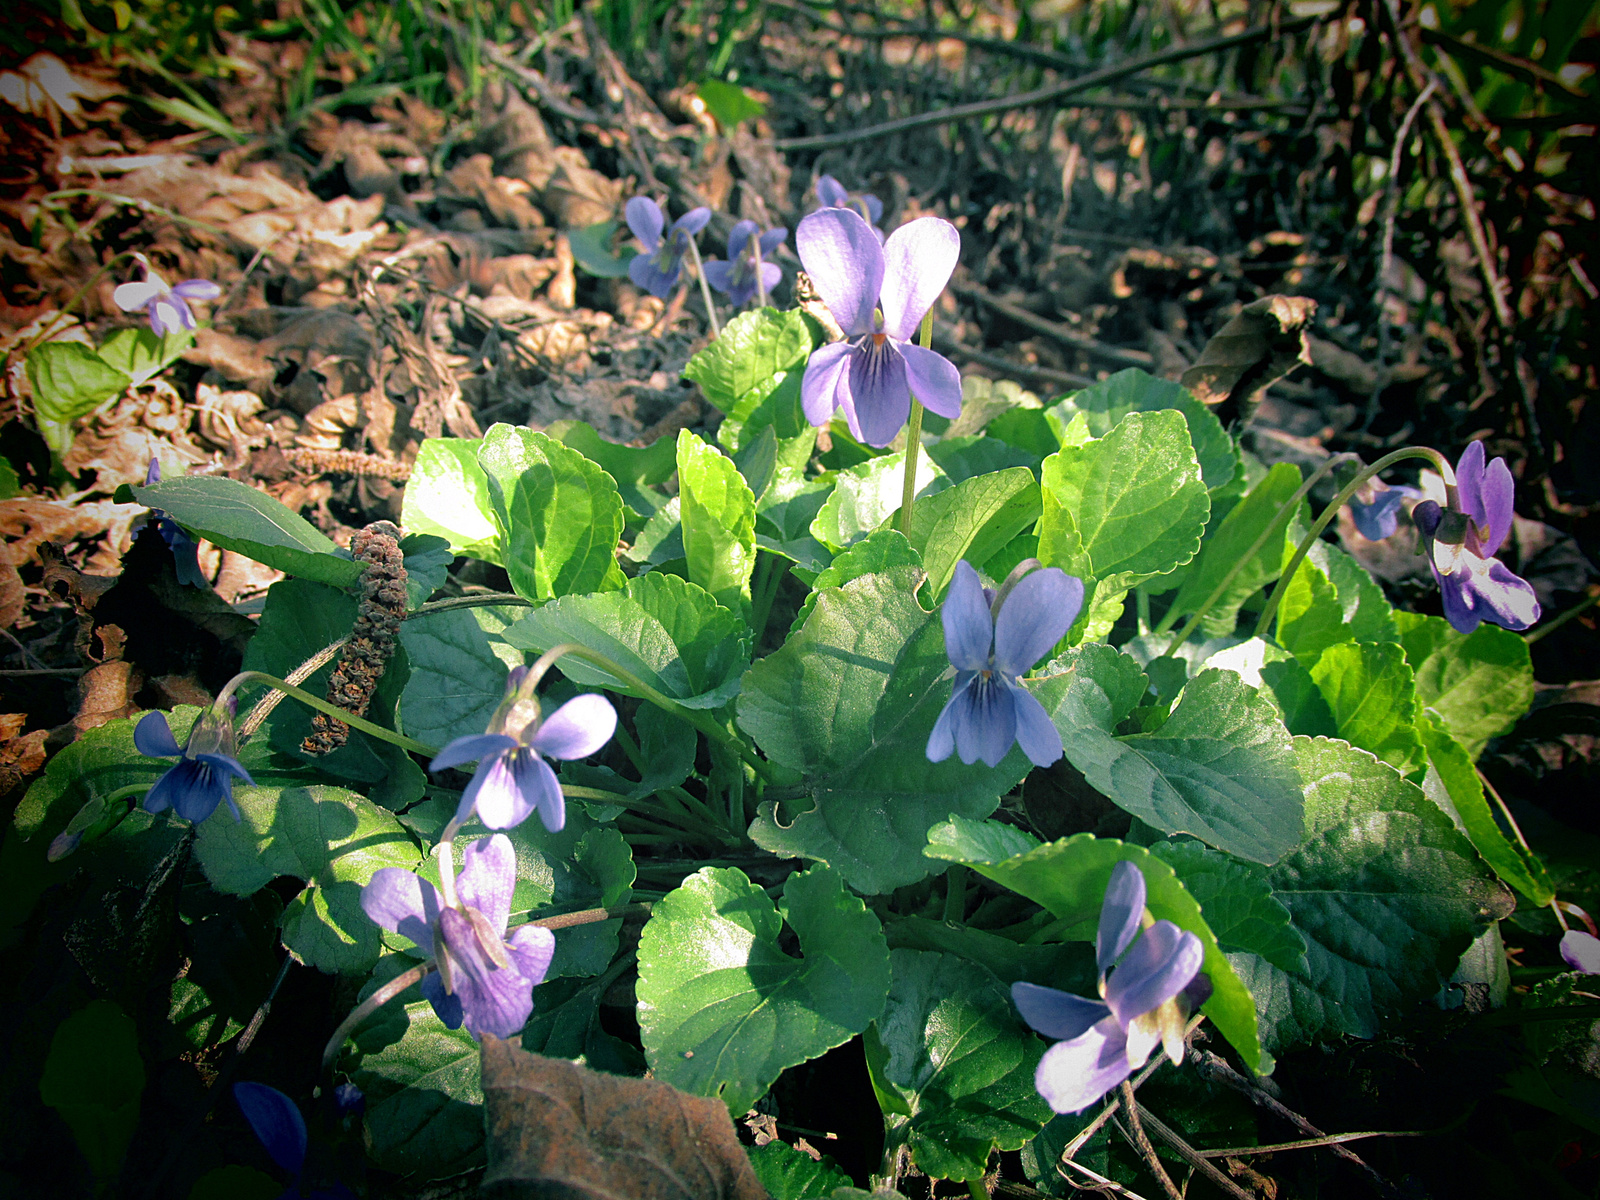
point(203, 777)
point(736, 278)
point(878, 295)
point(276, 1121)
point(513, 779)
point(831, 194)
point(165, 305)
point(1375, 508)
point(992, 639)
point(1460, 543)
point(1581, 951)
point(656, 270)
point(185, 550)
point(485, 979)
point(1102, 1042)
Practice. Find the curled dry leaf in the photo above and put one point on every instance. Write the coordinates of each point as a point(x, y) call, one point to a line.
point(1251, 352)
point(557, 1129)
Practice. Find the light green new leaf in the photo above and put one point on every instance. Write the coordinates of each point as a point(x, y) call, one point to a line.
point(1282, 679)
point(69, 380)
point(718, 513)
point(448, 495)
point(1373, 697)
point(723, 1010)
point(1068, 879)
point(753, 372)
point(848, 703)
point(459, 663)
point(958, 1063)
point(1105, 403)
point(1220, 768)
point(558, 514)
point(140, 354)
point(1480, 683)
point(881, 551)
point(1454, 784)
point(1386, 892)
point(972, 520)
point(868, 494)
point(667, 632)
point(591, 250)
point(236, 517)
point(1121, 509)
point(1331, 599)
point(332, 839)
point(1261, 510)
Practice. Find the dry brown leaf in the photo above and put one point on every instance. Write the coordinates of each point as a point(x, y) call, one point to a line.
point(1251, 352)
point(577, 195)
point(21, 754)
point(13, 596)
point(28, 522)
point(559, 1131)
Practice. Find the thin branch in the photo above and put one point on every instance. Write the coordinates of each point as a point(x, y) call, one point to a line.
point(1190, 1155)
point(1332, 1139)
point(1141, 1142)
point(1047, 95)
point(1059, 333)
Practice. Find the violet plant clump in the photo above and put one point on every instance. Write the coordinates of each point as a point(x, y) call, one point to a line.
point(878, 295)
point(206, 768)
point(165, 305)
point(747, 273)
point(1148, 970)
point(993, 638)
point(658, 268)
point(1461, 540)
point(484, 979)
point(513, 780)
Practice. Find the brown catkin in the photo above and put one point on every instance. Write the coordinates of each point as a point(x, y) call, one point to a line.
point(373, 637)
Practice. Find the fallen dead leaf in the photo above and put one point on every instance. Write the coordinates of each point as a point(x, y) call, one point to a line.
point(1250, 353)
point(557, 1129)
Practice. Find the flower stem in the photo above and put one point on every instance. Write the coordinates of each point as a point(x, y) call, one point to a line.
point(371, 1005)
point(56, 323)
point(264, 706)
point(914, 440)
point(705, 289)
point(510, 599)
point(1285, 514)
point(321, 705)
point(658, 812)
point(1141, 1142)
point(1338, 502)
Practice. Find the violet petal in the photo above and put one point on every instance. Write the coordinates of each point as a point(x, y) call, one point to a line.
point(1056, 1014)
point(845, 264)
point(968, 628)
point(1034, 616)
point(919, 259)
point(577, 729)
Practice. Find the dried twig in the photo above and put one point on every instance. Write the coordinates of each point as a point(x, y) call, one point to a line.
point(1141, 1142)
point(1332, 1139)
point(1059, 333)
point(1195, 1158)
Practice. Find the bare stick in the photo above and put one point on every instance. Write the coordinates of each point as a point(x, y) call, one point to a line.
point(1332, 1139)
point(1141, 1142)
point(1190, 1155)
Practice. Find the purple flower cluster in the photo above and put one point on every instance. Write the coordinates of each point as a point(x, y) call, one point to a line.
point(1149, 972)
point(657, 269)
point(165, 305)
point(1461, 542)
point(747, 254)
point(992, 639)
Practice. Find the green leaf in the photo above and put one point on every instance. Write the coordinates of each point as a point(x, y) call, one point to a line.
point(668, 747)
point(428, 560)
point(788, 1174)
point(1386, 893)
point(448, 495)
point(1479, 683)
point(638, 471)
point(881, 551)
point(1068, 966)
point(756, 351)
point(1282, 679)
point(332, 839)
point(1220, 768)
point(10, 485)
point(1371, 693)
point(1331, 599)
point(459, 663)
point(591, 250)
point(666, 631)
point(959, 1061)
point(424, 1097)
point(867, 495)
point(236, 517)
point(784, 514)
point(566, 1024)
point(1225, 548)
point(235, 1183)
point(1025, 428)
point(1104, 404)
point(718, 512)
point(302, 618)
point(972, 520)
point(723, 1010)
point(1237, 902)
point(93, 1076)
point(728, 103)
point(559, 515)
point(964, 458)
point(1124, 507)
point(848, 703)
point(140, 354)
point(1454, 784)
point(69, 380)
point(1068, 879)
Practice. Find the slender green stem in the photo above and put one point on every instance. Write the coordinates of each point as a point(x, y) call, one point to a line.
point(56, 324)
point(264, 706)
point(1285, 514)
point(705, 289)
point(656, 811)
point(976, 1189)
point(333, 710)
point(1577, 610)
point(371, 1005)
point(774, 568)
point(1338, 502)
point(761, 284)
point(630, 748)
point(1141, 603)
point(955, 892)
point(914, 440)
point(509, 599)
point(143, 206)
